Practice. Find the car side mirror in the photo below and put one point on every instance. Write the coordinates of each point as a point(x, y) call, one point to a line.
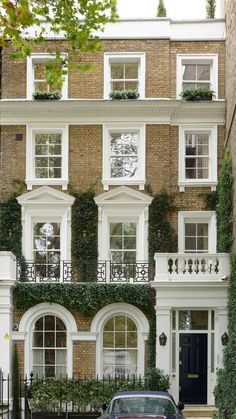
point(104, 406)
point(180, 406)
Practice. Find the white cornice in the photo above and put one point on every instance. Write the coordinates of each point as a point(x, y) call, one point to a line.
point(161, 111)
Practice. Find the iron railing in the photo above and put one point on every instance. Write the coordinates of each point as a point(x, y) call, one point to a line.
point(86, 271)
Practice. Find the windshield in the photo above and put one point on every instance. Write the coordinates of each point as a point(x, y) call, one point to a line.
point(135, 404)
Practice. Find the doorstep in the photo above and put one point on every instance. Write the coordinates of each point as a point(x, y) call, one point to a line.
point(198, 411)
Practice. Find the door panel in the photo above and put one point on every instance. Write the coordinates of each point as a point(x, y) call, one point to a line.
point(193, 368)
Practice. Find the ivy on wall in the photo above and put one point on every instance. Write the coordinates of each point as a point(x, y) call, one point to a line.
point(224, 208)
point(162, 237)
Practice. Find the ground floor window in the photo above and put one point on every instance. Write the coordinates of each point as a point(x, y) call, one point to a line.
point(120, 347)
point(49, 347)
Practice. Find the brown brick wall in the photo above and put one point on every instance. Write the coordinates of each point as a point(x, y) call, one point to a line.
point(231, 90)
point(84, 359)
point(160, 67)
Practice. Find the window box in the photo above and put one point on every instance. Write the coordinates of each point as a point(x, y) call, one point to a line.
point(201, 93)
point(124, 94)
point(46, 95)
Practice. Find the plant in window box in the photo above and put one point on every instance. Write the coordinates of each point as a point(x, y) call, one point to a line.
point(124, 94)
point(40, 95)
point(200, 93)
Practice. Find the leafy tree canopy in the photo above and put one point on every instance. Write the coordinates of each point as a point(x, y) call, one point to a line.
point(26, 22)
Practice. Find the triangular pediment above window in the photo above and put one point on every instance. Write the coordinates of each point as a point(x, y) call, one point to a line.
point(45, 195)
point(123, 195)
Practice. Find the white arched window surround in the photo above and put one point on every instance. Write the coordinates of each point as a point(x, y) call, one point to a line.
point(26, 329)
point(134, 314)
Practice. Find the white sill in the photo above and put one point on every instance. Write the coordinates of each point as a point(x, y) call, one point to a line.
point(47, 182)
point(122, 181)
point(197, 184)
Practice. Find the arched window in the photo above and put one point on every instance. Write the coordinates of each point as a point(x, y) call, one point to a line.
point(49, 347)
point(120, 347)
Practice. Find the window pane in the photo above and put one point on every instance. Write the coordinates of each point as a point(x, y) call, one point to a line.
point(193, 320)
point(117, 70)
point(115, 228)
point(49, 323)
point(131, 70)
point(49, 372)
point(38, 339)
point(203, 72)
point(41, 149)
point(187, 86)
point(129, 256)
point(119, 340)
point(41, 86)
point(38, 357)
point(190, 229)
point(116, 242)
point(131, 85)
point(39, 324)
point(130, 243)
point(49, 356)
point(131, 325)
point(60, 357)
point(206, 85)
point(108, 339)
point(49, 340)
point(189, 71)
point(39, 72)
point(120, 323)
point(109, 326)
point(60, 339)
point(132, 340)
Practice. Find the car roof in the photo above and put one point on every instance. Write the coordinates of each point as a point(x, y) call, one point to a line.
point(143, 393)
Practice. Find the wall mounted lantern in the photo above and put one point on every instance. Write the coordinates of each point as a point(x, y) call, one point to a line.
point(163, 339)
point(224, 339)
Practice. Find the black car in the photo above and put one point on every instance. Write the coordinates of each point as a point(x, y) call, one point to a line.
point(143, 404)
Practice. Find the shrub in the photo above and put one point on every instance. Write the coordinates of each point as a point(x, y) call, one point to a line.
point(46, 95)
point(124, 94)
point(201, 93)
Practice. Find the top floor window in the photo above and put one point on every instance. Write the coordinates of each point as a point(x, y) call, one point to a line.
point(36, 76)
point(124, 71)
point(195, 71)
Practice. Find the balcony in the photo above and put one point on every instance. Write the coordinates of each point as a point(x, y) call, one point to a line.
point(178, 267)
point(86, 271)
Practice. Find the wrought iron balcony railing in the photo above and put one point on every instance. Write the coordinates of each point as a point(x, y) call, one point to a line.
point(86, 271)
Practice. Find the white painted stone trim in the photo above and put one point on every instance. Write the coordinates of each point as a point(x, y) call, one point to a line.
point(211, 130)
point(197, 216)
point(31, 130)
point(140, 178)
point(138, 318)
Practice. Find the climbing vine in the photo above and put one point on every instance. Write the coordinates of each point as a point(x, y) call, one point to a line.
point(224, 209)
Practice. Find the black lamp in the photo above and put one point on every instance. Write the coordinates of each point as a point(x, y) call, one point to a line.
point(163, 339)
point(224, 339)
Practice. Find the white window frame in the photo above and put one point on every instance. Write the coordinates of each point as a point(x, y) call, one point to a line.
point(41, 58)
point(26, 331)
point(139, 178)
point(120, 205)
point(211, 59)
point(33, 129)
point(211, 130)
point(138, 318)
point(208, 217)
point(124, 57)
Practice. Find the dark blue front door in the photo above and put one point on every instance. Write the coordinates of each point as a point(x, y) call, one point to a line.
point(193, 368)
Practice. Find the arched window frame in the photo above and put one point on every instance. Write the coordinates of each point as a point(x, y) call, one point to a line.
point(26, 328)
point(136, 315)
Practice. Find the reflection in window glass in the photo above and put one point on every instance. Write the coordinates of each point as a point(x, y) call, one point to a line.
point(123, 242)
point(120, 342)
point(49, 347)
point(124, 76)
point(193, 320)
point(123, 154)
point(196, 75)
point(196, 237)
point(48, 156)
point(196, 156)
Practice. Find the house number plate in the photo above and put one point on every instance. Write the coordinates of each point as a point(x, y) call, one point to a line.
point(193, 375)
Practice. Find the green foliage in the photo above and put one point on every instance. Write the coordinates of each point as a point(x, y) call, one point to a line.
point(84, 245)
point(210, 8)
point(162, 237)
point(49, 395)
point(87, 298)
point(46, 96)
point(200, 93)
point(225, 389)
point(124, 94)
point(16, 385)
point(18, 20)
point(224, 210)
point(211, 200)
point(161, 10)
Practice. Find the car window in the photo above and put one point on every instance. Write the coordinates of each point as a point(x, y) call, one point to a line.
point(142, 405)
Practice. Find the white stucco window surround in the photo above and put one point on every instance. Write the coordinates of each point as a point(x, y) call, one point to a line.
point(46, 205)
point(34, 80)
point(197, 156)
point(207, 222)
point(26, 328)
point(119, 205)
point(124, 71)
point(202, 71)
point(124, 150)
point(136, 316)
point(47, 155)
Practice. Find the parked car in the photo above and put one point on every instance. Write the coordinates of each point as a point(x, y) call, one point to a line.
point(143, 404)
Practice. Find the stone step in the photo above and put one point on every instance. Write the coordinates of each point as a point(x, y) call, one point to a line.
point(198, 411)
